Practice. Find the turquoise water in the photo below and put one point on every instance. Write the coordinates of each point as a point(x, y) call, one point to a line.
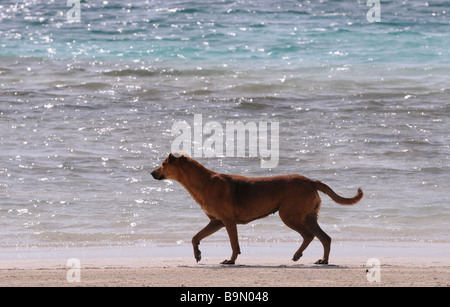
point(86, 111)
point(215, 32)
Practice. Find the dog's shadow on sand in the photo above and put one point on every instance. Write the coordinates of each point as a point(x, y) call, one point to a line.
point(267, 266)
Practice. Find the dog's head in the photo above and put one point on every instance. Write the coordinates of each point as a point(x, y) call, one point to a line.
point(170, 167)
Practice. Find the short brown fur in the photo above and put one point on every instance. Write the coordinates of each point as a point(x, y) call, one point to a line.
point(229, 200)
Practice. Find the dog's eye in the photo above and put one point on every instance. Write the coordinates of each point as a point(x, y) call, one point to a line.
point(164, 164)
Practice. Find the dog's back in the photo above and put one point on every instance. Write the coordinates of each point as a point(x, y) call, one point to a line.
point(256, 197)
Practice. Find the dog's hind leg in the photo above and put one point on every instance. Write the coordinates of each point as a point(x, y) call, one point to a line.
point(293, 223)
point(213, 226)
point(307, 238)
point(312, 225)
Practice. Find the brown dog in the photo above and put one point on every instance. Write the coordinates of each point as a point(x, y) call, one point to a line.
point(229, 200)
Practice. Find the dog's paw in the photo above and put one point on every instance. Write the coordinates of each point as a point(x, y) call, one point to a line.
point(227, 262)
point(296, 257)
point(198, 256)
point(321, 261)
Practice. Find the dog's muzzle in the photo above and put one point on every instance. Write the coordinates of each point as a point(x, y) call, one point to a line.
point(156, 176)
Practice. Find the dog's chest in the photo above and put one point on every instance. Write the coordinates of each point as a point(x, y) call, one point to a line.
point(201, 202)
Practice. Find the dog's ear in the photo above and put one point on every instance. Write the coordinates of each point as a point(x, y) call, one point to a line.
point(182, 159)
point(177, 156)
point(171, 158)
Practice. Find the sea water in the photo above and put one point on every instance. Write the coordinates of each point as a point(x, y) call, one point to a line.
point(89, 94)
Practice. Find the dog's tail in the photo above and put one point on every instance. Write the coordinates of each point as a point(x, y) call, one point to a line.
point(339, 199)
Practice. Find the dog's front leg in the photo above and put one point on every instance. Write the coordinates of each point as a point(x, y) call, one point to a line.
point(232, 233)
point(213, 226)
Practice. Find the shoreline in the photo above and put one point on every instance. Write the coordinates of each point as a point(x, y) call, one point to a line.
point(282, 250)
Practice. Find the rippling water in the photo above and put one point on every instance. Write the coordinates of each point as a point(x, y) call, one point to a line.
point(86, 111)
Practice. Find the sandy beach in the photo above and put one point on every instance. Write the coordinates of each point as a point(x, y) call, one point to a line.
point(249, 272)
